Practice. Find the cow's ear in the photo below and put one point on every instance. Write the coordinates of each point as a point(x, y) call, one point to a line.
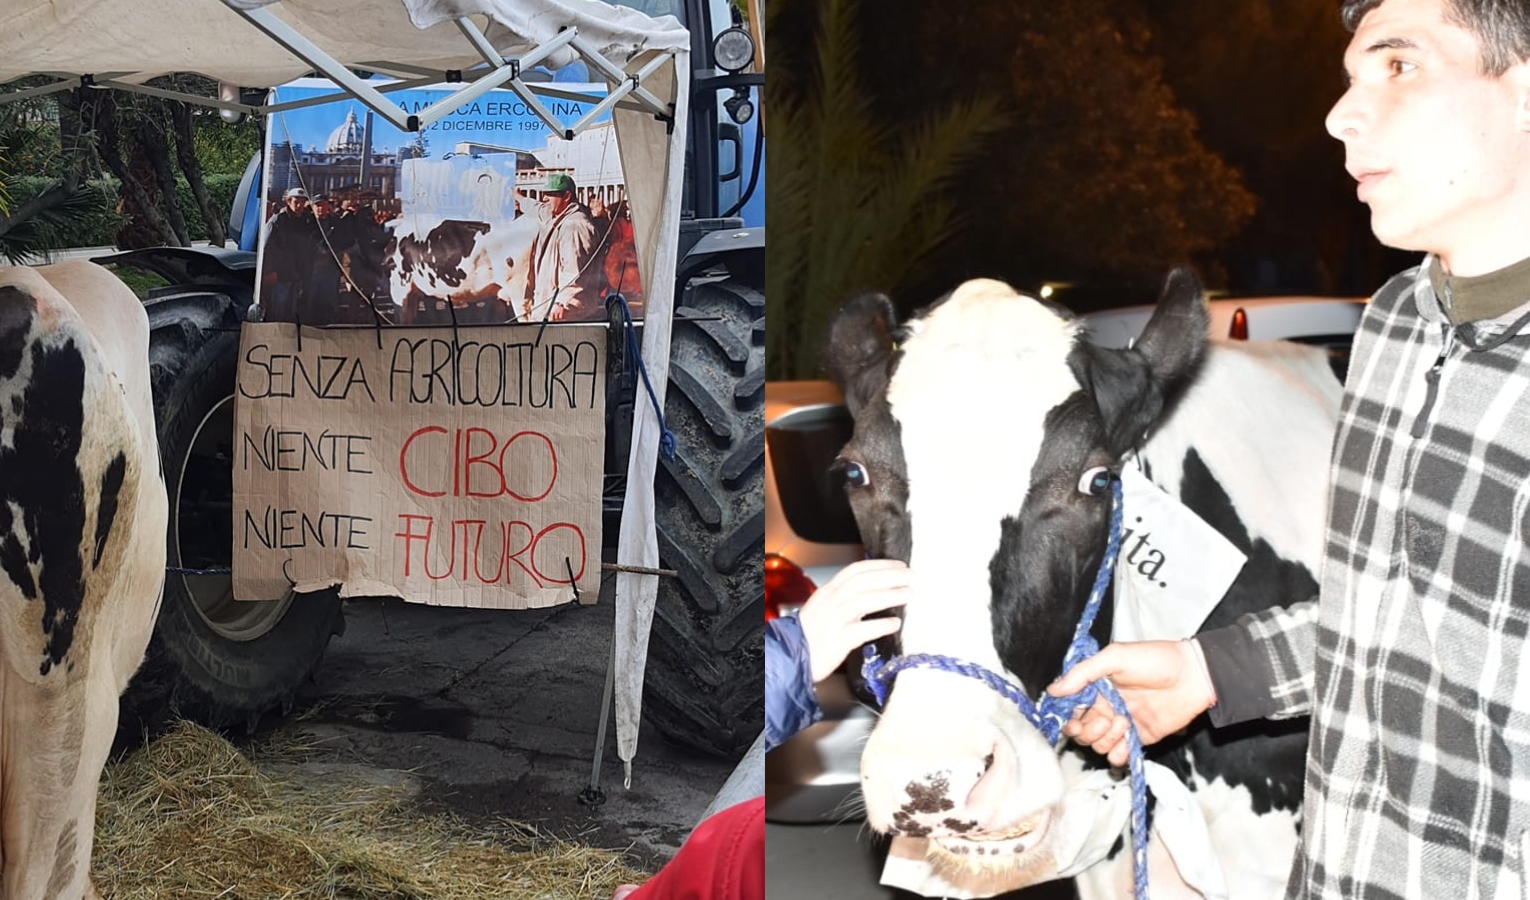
point(1174, 341)
point(1131, 387)
point(859, 346)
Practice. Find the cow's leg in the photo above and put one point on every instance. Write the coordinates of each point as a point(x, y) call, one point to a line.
point(47, 796)
point(56, 735)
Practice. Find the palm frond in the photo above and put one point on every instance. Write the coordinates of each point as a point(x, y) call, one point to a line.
point(31, 230)
point(853, 205)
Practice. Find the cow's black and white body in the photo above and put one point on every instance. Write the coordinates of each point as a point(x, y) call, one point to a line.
point(976, 431)
point(436, 265)
point(82, 557)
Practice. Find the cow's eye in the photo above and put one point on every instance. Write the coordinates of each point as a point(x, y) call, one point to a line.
point(1095, 482)
point(853, 473)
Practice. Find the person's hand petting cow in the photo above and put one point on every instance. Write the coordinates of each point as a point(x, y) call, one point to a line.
point(724, 858)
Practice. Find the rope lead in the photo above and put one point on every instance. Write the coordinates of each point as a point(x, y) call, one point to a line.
point(666, 437)
point(1051, 713)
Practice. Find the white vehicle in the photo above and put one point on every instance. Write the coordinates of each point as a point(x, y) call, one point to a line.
point(810, 533)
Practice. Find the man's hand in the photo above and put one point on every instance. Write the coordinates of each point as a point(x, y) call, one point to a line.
point(833, 620)
point(1165, 685)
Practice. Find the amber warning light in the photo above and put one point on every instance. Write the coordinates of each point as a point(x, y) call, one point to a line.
point(786, 586)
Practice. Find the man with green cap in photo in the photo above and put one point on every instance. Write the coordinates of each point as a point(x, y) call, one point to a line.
point(563, 282)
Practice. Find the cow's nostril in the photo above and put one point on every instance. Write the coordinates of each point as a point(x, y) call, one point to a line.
point(984, 801)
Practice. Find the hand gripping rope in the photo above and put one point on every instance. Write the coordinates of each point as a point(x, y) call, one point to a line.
point(1051, 713)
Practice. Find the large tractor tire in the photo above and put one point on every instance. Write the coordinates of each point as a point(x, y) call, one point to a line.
point(213, 659)
point(705, 674)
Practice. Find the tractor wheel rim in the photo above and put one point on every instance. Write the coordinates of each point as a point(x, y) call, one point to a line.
point(212, 595)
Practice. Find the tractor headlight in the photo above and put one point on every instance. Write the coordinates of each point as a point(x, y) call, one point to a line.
point(733, 50)
point(740, 108)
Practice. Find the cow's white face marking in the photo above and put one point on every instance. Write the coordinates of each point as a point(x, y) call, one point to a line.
point(976, 381)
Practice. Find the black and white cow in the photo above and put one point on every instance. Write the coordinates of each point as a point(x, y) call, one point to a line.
point(457, 264)
point(976, 427)
point(82, 557)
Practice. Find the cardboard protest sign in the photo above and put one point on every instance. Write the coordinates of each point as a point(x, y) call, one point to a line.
point(457, 467)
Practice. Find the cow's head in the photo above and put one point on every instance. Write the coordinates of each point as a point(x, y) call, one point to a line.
point(981, 431)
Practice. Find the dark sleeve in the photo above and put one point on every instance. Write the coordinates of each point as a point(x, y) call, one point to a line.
point(1262, 666)
point(790, 704)
point(1240, 675)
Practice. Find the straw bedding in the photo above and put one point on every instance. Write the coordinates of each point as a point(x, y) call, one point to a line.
point(189, 816)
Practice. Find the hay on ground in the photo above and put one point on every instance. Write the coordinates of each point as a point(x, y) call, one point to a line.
point(188, 816)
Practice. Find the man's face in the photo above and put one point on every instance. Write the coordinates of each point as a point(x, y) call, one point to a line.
point(1439, 149)
point(322, 209)
point(557, 203)
point(298, 205)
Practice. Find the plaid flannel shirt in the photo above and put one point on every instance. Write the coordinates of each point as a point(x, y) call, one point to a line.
point(1414, 666)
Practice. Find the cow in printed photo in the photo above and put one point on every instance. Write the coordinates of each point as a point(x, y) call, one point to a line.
point(437, 267)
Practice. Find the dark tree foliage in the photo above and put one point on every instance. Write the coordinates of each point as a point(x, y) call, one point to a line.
point(1100, 175)
point(37, 138)
point(1137, 134)
point(1260, 76)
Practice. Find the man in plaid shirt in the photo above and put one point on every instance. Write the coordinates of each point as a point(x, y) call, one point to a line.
point(1413, 661)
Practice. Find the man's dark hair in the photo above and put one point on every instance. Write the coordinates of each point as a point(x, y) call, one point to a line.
point(1502, 27)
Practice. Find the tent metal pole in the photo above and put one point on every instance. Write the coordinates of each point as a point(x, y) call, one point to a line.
point(480, 42)
point(308, 52)
point(181, 96)
point(616, 74)
point(66, 84)
point(593, 795)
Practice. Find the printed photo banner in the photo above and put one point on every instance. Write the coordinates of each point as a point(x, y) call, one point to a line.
point(486, 216)
point(451, 467)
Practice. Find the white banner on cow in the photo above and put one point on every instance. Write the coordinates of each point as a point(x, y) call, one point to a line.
point(1172, 569)
point(457, 467)
point(485, 216)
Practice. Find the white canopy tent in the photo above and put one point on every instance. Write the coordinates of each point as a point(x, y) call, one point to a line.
point(484, 44)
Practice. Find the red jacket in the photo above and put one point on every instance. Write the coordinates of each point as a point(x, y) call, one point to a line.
point(723, 859)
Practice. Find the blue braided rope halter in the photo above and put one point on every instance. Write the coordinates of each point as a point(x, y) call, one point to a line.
point(666, 437)
point(1049, 715)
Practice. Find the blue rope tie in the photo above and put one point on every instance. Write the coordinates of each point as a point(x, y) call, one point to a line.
point(1051, 713)
point(666, 437)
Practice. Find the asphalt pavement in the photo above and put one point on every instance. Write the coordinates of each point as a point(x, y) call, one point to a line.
point(494, 713)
